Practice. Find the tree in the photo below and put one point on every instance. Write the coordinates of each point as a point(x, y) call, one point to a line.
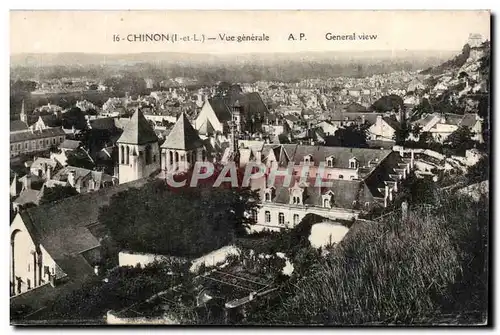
point(460, 140)
point(58, 192)
point(74, 118)
point(423, 270)
point(353, 136)
point(185, 222)
point(387, 103)
point(402, 134)
point(480, 171)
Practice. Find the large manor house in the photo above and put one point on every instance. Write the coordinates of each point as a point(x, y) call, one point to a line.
point(56, 242)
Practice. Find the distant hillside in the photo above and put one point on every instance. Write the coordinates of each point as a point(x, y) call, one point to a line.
point(74, 59)
point(454, 63)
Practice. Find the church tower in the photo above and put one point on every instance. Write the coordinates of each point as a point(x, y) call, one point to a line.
point(23, 115)
point(138, 150)
point(182, 148)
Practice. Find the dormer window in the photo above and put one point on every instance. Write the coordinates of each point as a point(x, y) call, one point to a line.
point(296, 195)
point(328, 199)
point(269, 194)
point(308, 159)
point(329, 161)
point(353, 163)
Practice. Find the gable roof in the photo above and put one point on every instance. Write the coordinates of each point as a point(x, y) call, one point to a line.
point(206, 128)
point(220, 109)
point(392, 122)
point(36, 134)
point(138, 131)
point(182, 136)
point(70, 144)
point(18, 125)
point(62, 227)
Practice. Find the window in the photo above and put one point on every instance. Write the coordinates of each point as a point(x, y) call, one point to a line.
point(296, 219)
point(326, 203)
point(367, 204)
point(329, 163)
point(26, 145)
point(268, 216)
point(29, 284)
point(329, 176)
point(281, 218)
point(353, 163)
point(19, 146)
point(12, 147)
point(254, 215)
point(268, 196)
point(341, 176)
point(46, 271)
point(53, 141)
point(29, 267)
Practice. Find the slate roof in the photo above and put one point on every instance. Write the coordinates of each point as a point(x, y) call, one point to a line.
point(104, 123)
point(182, 136)
point(29, 196)
point(356, 108)
point(220, 109)
point(341, 155)
point(51, 120)
point(62, 226)
point(251, 104)
point(81, 173)
point(138, 131)
point(36, 135)
point(345, 192)
point(469, 120)
point(18, 125)
point(392, 122)
point(370, 117)
point(70, 144)
point(206, 128)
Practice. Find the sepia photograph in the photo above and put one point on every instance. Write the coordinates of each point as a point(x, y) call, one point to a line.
point(250, 168)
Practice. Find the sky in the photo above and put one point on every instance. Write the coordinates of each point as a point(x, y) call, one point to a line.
point(92, 31)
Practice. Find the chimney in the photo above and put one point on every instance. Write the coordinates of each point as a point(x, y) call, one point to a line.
point(386, 191)
point(49, 172)
point(412, 161)
point(379, 118)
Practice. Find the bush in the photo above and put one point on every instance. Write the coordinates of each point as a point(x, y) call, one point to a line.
point(426, 269)
point(125, 286)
